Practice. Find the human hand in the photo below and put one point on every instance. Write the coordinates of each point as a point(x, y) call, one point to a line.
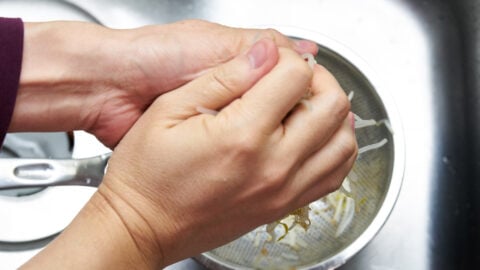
point(185, 182)
point(84, 76)
point(181, 182)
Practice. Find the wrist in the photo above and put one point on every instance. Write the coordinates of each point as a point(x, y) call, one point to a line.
point(133, 222)
point(98, 238)
point(61, 82)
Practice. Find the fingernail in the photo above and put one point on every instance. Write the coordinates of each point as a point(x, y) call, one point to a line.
point(302, 45)
point(257, 54)
point(352, 120)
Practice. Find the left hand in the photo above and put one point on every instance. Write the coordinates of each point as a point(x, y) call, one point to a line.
point(180, 182)
point(101, 80)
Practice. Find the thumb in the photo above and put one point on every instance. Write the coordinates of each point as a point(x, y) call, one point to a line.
point(225, 83)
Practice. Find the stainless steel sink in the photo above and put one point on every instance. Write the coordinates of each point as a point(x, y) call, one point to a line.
point(466, 13)
point(425, 52)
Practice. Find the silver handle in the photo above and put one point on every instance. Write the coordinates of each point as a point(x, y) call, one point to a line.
point(22, 173)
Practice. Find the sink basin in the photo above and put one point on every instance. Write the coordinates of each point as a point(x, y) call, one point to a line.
point(426, 54)
point(466, 12)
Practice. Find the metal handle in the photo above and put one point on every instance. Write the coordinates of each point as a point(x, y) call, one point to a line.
point(22, 173)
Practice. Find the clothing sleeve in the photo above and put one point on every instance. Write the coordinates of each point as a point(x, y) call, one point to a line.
point(11, 52)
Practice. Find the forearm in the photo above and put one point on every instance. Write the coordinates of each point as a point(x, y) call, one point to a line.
point(60, 81)
point(97, 238)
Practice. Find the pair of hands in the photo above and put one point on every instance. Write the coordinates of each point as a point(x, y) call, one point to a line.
point(180, 182)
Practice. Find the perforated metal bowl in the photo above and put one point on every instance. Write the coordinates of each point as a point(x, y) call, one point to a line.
point(378, 175)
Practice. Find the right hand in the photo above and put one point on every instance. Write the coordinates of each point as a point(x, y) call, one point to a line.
point(185, 182)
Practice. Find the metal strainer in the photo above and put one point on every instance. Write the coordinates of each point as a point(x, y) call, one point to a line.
point(377, 179)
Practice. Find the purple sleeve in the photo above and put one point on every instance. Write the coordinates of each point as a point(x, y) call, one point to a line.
point(11, 51)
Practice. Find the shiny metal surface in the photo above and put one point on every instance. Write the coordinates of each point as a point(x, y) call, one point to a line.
point(466, 12)
point(424, 51)
point(23, 173)
point(33, 145)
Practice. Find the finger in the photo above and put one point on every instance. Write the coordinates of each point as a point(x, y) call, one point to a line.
point(314, 124)
point(222, 85)
point(339, 152)
point(269, 101)
point(305, 46)
point(299, 45)
point(328, 184)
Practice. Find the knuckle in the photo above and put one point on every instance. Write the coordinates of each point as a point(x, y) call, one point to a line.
point(336, 181)
point(275, 177)
point(273, 34)
point(279, 207)
point(333, 91)
point(340, 103)
point(274, 184)
point(334, 184)
point(354, 151)
point(245, 144)
point(347, 147)
point(346, 152)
